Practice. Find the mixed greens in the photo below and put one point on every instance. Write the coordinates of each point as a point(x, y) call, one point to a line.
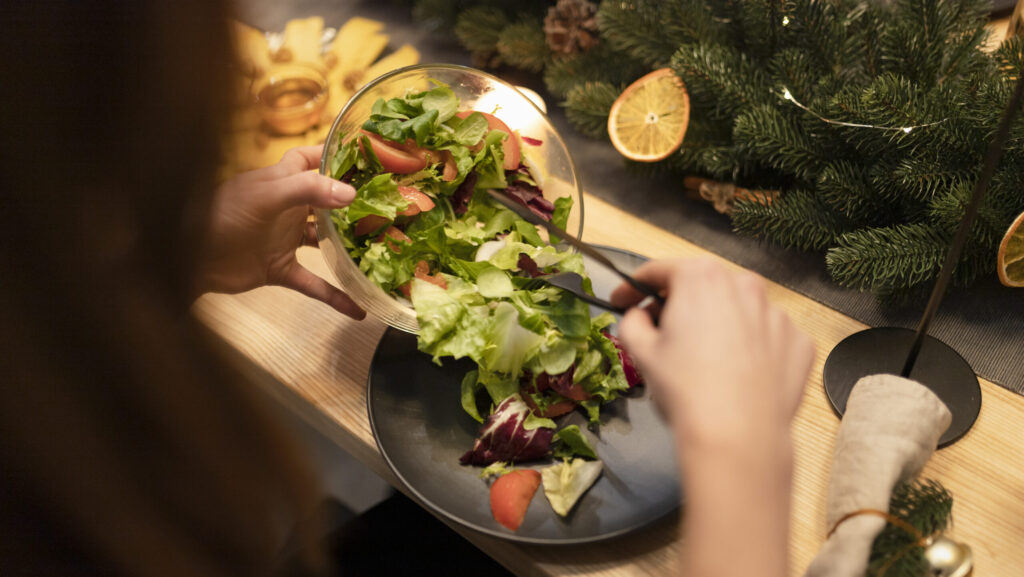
point(422, 227)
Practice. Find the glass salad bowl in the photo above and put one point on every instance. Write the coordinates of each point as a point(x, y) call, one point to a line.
point(543, 152)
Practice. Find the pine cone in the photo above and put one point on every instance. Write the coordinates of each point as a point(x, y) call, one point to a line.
point(571, 26)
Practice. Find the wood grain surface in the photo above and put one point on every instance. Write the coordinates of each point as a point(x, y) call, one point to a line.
point(321, 360)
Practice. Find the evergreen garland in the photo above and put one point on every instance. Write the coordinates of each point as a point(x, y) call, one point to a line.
point(587, 106)
point(881, 204)
point(928, 507)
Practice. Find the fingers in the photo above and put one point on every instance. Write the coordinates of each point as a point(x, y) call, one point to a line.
point(298, 159)
point(638, 333)
point(299, 279)
point(655, 273)
point(310, 238)
point(307, 188)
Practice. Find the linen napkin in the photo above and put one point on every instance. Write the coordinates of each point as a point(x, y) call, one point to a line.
point(891, 428)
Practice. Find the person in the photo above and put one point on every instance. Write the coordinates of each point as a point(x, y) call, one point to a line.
point(129, 445)
point(129, 442)
point(728, 369)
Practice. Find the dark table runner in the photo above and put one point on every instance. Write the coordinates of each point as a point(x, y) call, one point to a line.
point(985, 323)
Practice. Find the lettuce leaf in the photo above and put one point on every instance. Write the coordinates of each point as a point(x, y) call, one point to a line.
point(379, 196)
point(567, 481)
point(572, 443)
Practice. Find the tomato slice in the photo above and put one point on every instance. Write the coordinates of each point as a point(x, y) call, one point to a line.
point(369, 223)
point(511, 494)
point(422, 272)
point(395, 158)
point(450, 169)
point(510, 146)
point(394, 237)
point(418, 202)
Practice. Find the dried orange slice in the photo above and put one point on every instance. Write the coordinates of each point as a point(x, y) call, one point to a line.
point(648, 120)
point(1010, 260)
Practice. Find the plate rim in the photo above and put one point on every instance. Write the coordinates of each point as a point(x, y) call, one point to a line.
point(438, 510)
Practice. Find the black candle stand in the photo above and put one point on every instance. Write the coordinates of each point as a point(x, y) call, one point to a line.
point(914, 354)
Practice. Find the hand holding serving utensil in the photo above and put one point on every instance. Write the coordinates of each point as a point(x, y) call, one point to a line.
point(531, 217)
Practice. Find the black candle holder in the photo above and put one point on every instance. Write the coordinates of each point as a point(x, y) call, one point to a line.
point(914, 354)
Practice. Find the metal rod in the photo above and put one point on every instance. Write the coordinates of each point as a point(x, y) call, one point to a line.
point(992, 157)
point(528, 215)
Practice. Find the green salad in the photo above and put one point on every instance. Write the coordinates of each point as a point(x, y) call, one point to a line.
point(423, 228)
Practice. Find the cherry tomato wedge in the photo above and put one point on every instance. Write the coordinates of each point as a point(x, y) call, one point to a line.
point(422, 272)
point(395, 238)
point(369, 223)
point(394, 157)
point(511, 494)
point(511, 144)
point(418, 202)
point(450, 169)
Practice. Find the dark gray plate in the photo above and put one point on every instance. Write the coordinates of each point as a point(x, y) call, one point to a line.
point(421, 429)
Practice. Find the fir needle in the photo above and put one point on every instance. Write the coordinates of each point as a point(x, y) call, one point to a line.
point(992, 157)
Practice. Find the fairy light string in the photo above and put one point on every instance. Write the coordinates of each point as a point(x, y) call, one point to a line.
point(787, 95)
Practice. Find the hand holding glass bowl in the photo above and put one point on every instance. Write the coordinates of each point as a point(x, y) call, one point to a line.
point(542, 151)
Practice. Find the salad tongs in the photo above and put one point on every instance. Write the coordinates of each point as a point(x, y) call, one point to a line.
point(566, 280)
point(572, 282)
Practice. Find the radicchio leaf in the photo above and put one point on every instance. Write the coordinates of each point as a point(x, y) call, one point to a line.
point(528, 265)
point(504, 438)
point(531, 197)
point(462, 194)
point(563, 385)
point(633, 376)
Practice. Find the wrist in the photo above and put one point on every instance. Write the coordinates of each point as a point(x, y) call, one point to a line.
point(751, 446)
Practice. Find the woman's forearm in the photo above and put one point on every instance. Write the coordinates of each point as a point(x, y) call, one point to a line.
point(737, 507)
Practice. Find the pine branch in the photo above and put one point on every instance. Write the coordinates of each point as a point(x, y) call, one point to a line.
point(1009, 57)
point(890, 102)
point(860, 55)
point(920, 179)
point(717, 162)
point(928, 507)
point(721, 81)
point(1001, 204)
point(845, 187)
point(478, 30)
point(587, 106)
point(759, 24)
point(796, 219)
point(816, 29)
point(600, 64)
point(928, 40)
point(774, 140)
point(887, 259)
point(652, 31)
point(797, 71)
point(524, 46)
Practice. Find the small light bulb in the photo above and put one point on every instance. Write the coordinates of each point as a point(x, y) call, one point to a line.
point(908, 129)
point(786, 94)
point(785, 20)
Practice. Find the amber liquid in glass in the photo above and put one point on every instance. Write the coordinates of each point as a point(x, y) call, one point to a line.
point(290, 92)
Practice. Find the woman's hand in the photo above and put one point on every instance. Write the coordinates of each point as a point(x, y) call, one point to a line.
point(728, 368)
point(722, 360)
point(259, 219)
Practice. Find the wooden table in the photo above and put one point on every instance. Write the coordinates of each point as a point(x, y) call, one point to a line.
point(321, 359)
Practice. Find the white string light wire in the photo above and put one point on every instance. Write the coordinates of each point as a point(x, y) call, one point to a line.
point(787, 95)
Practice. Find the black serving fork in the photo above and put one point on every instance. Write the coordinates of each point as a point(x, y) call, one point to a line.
point(566, 280)
point(573, 283)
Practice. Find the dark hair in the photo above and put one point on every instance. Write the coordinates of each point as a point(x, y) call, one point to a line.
point(126, 444)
